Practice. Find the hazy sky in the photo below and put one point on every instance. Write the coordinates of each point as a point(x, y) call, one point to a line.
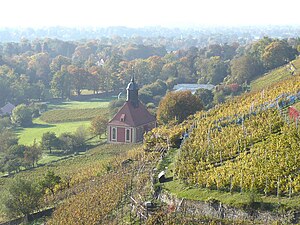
point(139, 13)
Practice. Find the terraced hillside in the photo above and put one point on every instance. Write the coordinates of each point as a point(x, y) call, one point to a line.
point(276, 75)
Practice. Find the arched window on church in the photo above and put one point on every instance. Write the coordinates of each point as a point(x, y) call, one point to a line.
point(114, 133)
point(127, 135)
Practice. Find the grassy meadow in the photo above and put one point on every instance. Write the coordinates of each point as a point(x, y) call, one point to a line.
point(63, 116)
point(274, 76)
point(29, 134)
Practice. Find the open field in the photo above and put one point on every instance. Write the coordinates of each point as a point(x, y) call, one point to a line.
point(63, 117)
point(28, 135)
point(274, 76)
point(92, 103)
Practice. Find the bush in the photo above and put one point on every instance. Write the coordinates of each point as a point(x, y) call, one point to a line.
point(178, 106)
point(22, 116)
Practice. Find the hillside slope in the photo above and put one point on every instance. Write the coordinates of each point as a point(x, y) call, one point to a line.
point(246, 145)
point(276, 75)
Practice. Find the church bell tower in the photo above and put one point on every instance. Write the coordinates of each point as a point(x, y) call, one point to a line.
point(132, 93)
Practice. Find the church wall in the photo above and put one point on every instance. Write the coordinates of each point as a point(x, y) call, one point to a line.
point(120, 134)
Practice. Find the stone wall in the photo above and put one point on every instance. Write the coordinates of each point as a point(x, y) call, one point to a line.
point(31, 217)
point(216, 209)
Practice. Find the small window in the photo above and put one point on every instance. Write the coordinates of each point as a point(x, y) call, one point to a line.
point(127, 135)
point(122, 118)
point(114, 133)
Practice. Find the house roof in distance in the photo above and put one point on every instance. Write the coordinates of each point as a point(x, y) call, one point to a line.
point(7, 109)
point(132, 116)
point(192, 87)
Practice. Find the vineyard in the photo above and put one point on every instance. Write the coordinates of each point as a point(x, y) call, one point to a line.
point(246, 144)
point(78, 171)
point(275, 75)
point(68, 115)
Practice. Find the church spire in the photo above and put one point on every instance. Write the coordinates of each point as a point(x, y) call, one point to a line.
point(132, 93)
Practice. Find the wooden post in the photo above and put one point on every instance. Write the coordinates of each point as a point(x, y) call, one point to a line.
point(278, 181)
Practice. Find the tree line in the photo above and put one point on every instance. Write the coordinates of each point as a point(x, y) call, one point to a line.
point(42, 69)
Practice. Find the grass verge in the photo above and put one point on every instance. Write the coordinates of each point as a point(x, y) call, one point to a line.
point(274, 76)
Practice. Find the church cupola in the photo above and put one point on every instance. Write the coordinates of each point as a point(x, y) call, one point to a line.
point(132, 93)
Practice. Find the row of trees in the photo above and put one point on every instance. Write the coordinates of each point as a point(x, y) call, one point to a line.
point(15, 157)
point(29, 73)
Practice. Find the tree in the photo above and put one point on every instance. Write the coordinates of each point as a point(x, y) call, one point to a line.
point(206, 97)
point(7, 139)
point(67, 142)
point(78, 78)
point(99, 125)
point(5, 123)
point(61, 83)
point(32, 154)
point(80, 136)
point(244, 68)
point(50, 181)
point(277, 54)
point(212, 70)
point(23, 197)
point(22, 115)
point(38, 67)
point(147, 92)
point(178, 106)
point(58, 62)
point(49, 141)
point(13, 158)
point(72, 142)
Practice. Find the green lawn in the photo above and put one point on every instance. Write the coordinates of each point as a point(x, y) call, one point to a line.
point(93, 103)
point(28, 135)
point(274, 76)
point(64, 117)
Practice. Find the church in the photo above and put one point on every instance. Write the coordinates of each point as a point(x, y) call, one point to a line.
point(132, 120)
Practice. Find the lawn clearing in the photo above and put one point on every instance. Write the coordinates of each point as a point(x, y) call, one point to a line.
point(62, 117)
point(274, 76)
point(28, 135)
point(92, 103)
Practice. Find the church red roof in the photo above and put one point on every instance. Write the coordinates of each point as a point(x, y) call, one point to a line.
point(132, 116)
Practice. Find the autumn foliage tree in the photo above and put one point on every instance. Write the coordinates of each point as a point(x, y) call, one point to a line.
point(23, 197)
point(98, 125)
point(178, 106)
